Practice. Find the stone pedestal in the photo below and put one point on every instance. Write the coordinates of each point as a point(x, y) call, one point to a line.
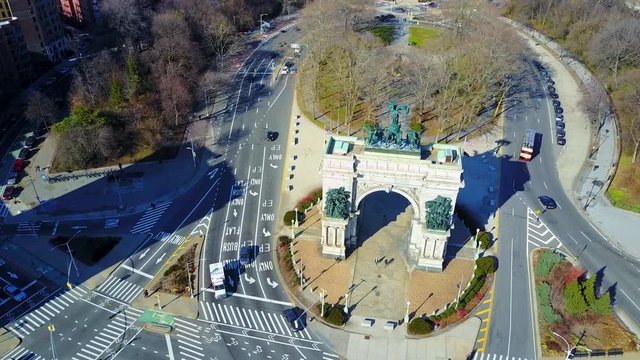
point(334, 234)
point(433, 249)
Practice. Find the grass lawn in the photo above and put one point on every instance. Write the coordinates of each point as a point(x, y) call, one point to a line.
point(384, 32)
point(418, 36)
point(624, 191)
point(87, 249)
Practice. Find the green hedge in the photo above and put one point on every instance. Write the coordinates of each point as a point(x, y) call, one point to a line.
point(484, 238)
point(574, 301)
point(546, 261)
point(334, 314)
point(543, 293)
point(420, 326)
point(488, 264)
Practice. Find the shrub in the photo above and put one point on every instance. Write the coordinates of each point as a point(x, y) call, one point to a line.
point(290, 216)
point(420, 326)
point(488, 264)
point(543, 292)
point(572, 274)
point(589, 289)
point(284, 240)
point(546, 261)
point(602, 306)
point(334, 315)
point(574, 302)
point(484, 239)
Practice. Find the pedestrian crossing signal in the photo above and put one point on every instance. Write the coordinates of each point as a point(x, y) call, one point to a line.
point(69, 285)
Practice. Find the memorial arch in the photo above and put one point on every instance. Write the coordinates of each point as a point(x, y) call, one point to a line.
point(428, 176)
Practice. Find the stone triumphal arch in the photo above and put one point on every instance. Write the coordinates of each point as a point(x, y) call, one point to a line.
point(428, 176)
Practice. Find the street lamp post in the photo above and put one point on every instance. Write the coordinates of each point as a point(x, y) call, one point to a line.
point(262, 24)
point(115, 177)
point(569, 348)
point(297, 223)
point(406, 314)
point(189, 278)
point(293, 233)
point(346, 303)
point(322, 303)
point(51, 329)
point(70, 255)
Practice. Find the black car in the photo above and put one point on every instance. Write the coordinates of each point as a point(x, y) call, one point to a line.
point(272, 135)
point(551, 88)
point(547, 202)
point(550, 81)
point(556, 103)
point(559, 110)
point(553, 95)
point(296, 317)
point(40, 131)
point(559, 117)
point(29, 142)
point(561, 141)
point(560, 124)
point(24, 153)
point(560, 133)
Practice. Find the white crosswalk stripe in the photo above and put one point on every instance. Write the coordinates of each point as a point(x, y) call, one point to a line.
point(109, 334)
point(164, 236)
point(487, 356)
point(150, 218)
point(259, 320)
point(111, 223)
point(119, 289)
point(47, 311)
point(538, 233)
point(21, 353)
point(4, 210)
point(189, 344)
point(28, 228)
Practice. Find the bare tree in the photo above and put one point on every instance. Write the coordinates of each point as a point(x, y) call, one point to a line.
point(617, 45)
point(124, 16)
point(41, 110)
point(630, 122)
point(420, 76)
point(221, 38)
point(92, 79)
point(175, 97)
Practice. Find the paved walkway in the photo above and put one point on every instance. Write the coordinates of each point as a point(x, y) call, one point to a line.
point(587, 172)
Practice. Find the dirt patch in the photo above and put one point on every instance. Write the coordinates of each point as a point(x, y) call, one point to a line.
point(86, 249)
point(430, 291)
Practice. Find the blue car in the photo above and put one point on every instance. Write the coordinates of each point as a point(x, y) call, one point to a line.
point(296, 317)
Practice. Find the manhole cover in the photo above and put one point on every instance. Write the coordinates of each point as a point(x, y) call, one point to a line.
point(377, 293)
point(379, 276)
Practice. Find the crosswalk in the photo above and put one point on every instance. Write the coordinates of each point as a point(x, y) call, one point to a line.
point(43, 315)
point(487, 356)
point(150, 218)
point(538, 233)
point(164, 236)
point(189, 345)
point(109, 335)
point(119, 289)
point(22, 353)
point(4, 210)
point(259, 320)
point(28, 228)
point(329, 356)
point(111, 223)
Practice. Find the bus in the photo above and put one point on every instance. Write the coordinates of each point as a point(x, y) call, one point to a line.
point(528, 145)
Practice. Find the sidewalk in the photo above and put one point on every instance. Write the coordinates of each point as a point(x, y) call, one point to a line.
point(588, 170)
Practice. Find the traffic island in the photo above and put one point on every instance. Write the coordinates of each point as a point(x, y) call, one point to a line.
point(574, 312)
point(174, 288)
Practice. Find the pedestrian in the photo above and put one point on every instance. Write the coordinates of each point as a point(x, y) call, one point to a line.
point(153, 205)
point(146, 293)
point(120, 166)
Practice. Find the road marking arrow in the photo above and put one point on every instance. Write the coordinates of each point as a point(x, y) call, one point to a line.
point(212, 173)
point(253, 193)
point(144, 253)
point(12, 275)
point(235, 213)
point(160, 258)
point(273, 284)
point(273, 166)
point(78, 227)
point(265, 232)
point(249, 279)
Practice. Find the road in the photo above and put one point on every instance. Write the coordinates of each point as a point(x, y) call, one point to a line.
point(233, 206)
point(511, 333)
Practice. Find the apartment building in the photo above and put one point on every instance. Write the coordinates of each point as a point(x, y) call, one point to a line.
point(80, 12)
point(15, 67)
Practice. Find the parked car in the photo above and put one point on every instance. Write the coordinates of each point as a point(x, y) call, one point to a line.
point(553, 95)
point(551, 88)
point(15, 293)
point(19, 165)
point(550, 81)
point(245, 257)
point(24, 153)
point(559, 117)
point(559, 110)
point(556, 103)
point(560, 124)
point(547, 202)
point(10, 192)
point(40, 131)
point(296, 318)
point(12, 179)
point(561, 141)
point(29, 142)
point(560, 133)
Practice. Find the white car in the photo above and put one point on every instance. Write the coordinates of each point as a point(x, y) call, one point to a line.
point(11, 180)
point(15, 293)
